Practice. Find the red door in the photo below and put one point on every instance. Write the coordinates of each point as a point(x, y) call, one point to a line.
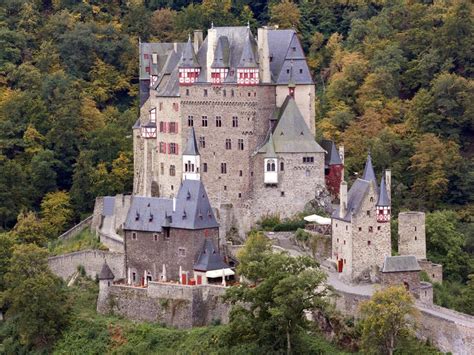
point(183, 279)
point(340, 265)
point(199, 279)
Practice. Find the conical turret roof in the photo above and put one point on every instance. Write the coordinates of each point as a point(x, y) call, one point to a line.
point(221, 55)
point(191, 145)
point(247, 60)
point(383, 200)
point(369, 173)
point(209, 258)
point(106, 273)
point(188, 58)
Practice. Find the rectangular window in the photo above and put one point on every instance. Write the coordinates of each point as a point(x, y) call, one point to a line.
point(308, 160)
point(173, 127)
point(190, 121)
point(153, 115)
point(161, 106)
point(202, 142)
point(173, 148)
point(371, 229)
point(182, 252)
point(162, 127)
point(228, 144)
point(155, 237)
point(204, 121)
point(223, 168)
point(134, 276)
point(163, 147)
point(204, 167)
point(282, 193)
point(172, 170)
point(368, 242)
point(240, 172)
point(162, 168)
point(175, 106)
point(134, 236)
point(218, 121)
point(205, 92)
point(240, 144)
point(368, 213)
point(187, 92)
point(235, 121)
point(282, 166)
point(224, 93)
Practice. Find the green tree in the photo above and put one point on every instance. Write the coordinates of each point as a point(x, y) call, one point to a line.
point(29, 229)
point(445, 245)
point(386, 319)
point(35, 299)
point(279, 290)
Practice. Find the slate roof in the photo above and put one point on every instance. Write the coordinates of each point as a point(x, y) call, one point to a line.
point(383, 200)
point(222, 53)
point(400, 264)
point(188, 58)
point(332, 156)
point(193, 210)
point(109, 206)
point(369, 173)
point(147, 214)
point(106, 273)
point(291, 133)
point(355, 196)
point(209, 258)
point(191, 144)
point(248, 58)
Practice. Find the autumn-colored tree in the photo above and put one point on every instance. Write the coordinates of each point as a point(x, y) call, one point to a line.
point(432, 165)
point(56, 213)
point(386, 318)
point(285, 14)
point(163, 24)
point(29, 229)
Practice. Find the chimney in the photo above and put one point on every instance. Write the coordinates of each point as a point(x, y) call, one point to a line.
point(264, 54)
point(343, 199)
point(388, 182)
point(211, 47)
point(174, 204)
point(197, 36)
point(341, 155)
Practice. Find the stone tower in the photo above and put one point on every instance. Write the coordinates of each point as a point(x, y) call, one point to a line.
point(106, 278)
point(191, 158)
point(411, 234)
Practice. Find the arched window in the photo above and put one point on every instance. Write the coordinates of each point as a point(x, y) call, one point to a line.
point(282, 166)
point(268, 166)
point(273, 166)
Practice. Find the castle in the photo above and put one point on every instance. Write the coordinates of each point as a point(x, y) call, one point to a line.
point(249, 105)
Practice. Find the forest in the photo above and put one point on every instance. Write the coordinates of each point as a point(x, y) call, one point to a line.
point(392, 76)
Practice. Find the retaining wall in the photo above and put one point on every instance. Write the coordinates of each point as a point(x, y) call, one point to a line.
point(66, 265)
point(174, 305)
point(448, 330)
point(78, 228)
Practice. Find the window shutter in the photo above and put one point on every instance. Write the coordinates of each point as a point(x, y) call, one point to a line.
point(169, 148)
point(177, 148)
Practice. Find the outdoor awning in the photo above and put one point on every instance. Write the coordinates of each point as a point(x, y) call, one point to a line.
point(212, 274)
point(314, 218)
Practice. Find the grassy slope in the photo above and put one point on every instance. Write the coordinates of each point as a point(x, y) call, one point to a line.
point(82, 241)
point(90, 333)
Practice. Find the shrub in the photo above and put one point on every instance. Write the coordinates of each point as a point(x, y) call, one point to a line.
point(269, 221)
point(288, 226)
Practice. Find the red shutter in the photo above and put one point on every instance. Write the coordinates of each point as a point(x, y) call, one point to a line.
point(169, 148)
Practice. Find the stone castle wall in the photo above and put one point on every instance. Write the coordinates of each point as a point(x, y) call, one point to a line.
point(66, 265)
point(434, 271)
point(174, 305)
point(448, 330)
point(411, 234)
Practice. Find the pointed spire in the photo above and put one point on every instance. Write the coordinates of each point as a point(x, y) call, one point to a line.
point(383, 200)
point(369, 173)
point(106, 273)
point(188, 58)
point(247, 60)
point(191, 145)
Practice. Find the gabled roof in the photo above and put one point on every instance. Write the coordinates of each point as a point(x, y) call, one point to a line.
point(221, 54)
point(359, 189)
point(332, 156)
point(106, 273)
point(191, 144)
point(400, 264)
point(188, 58)
point(193, 209)
point(247, 59)
point(369, 173)
point(209, 258)
point(383, 200)
point(291, 133)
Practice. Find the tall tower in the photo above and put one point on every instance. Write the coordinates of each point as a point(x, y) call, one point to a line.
point(383, 203)
point(191, 158)
point(411, 234)
point(106, 278)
